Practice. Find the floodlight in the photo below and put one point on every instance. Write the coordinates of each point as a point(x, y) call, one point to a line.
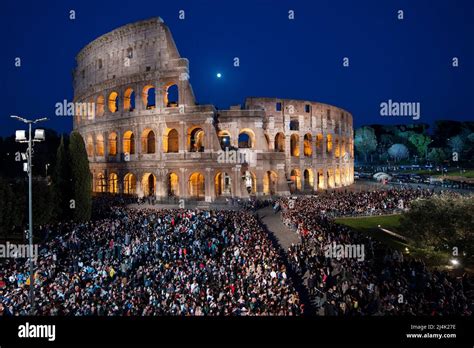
point(39, 135)
point(20, 135)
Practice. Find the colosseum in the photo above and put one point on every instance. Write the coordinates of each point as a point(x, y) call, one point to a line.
point(145, 134)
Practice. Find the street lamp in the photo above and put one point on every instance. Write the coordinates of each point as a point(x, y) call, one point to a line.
point(20, 136)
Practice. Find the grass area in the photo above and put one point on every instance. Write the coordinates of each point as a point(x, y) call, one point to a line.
point(369, 225)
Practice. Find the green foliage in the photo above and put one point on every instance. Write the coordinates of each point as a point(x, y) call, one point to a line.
point(441, 223)
point(11, 206)
point(420, 142)
point(81, 178)
point(365, 141)
point(437, 155)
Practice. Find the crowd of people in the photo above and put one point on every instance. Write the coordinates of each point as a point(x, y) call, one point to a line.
point(154, 262)
point(384, 281)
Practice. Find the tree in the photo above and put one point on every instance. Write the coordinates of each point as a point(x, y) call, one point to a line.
point(365, 141)
point(437, 155)
point(456, 144)
point(441, 223)
point(81, 179)
point(398, 152)
point(420, 142)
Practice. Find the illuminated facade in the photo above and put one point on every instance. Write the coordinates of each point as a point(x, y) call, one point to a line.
point(145, 134)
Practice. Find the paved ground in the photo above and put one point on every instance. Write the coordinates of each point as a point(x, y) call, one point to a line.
point(273, 221)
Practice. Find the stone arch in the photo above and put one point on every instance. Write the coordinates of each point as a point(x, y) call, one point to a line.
point(319, 143)
point(129, 142)
point(99, 145)
point(148, 97)
point(280, 142)
point(148, 184)
point(307, 143)
point(295, 176)
point(270, 180)
point(171, 95)
point(171, 141)
point(172, 184)
point(330, 173)
point(337, 177)
point(148, 141)
point(129, 184)
point(129, 99)
point(320, 179)
point(329, 143)
point(113, 144)
point(100, 105)
point(224, 139)
point(196, 185)
point(308, 179)
point(246, 139)
point(222, 184)
point(295, 145)
point(113, 183)
point(90, 146)
point(336, 148)
point(113, 102)
point(196, 139)
point(100, 183)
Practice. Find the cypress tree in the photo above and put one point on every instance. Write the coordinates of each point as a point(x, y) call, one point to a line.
point(81, 178)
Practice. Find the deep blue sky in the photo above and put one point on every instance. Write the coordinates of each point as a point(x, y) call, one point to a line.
point(407, 60)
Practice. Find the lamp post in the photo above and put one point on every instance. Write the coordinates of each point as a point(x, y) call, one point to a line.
point(21, 138)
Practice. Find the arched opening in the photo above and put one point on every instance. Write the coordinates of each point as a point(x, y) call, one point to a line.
point(129, 142)
point(129, 100)
point(295, 176)
point(343, 148)
point(337, 178)
point(113, 102)
point(250, 182)
point(308, 150)
point(148, 184)
point(308, 179)
point(246, 139)
point(129, 184)
point(113, 183)
point(320, 179)
point(196, 185)
point(196, 140)
point(99, 145)
point(148, 97)
point(171, 141)
point(329, 143)
point(171, 96)
point(337, 149)
point(280, 142)
point(270, 183)
point(113, 144)
point(319, 143)
point(224, 139)
point(223, 184)
point(173, 185)
point(295, 145)
point(330, 178)
point(100, 107)
point(90, 146)
point(100, 184)
point(148, 141)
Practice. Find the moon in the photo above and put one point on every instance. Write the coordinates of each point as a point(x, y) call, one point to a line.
point(219, 75)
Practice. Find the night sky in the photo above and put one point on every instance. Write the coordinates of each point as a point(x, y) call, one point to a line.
point(407, 61)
